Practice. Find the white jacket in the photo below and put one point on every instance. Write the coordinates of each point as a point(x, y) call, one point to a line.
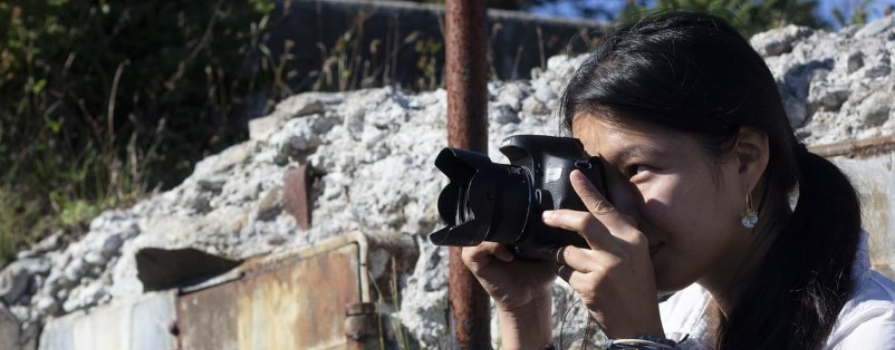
point(866, 322)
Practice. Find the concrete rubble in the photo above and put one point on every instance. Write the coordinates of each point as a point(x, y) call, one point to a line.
point(371, 153)
point(836, 86)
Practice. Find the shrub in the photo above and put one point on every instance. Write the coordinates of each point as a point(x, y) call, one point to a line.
point(103, 101)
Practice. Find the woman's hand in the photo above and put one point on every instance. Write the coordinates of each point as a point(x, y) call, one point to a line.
point(513, 285)
point(615, 276)
point(521, 293)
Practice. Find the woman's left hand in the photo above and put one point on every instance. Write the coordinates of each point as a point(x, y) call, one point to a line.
point(615, 277)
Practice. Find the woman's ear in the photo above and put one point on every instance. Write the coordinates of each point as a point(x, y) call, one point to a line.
point(752, 154)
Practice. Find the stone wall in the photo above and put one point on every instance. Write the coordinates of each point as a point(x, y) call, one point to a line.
point(372, 152)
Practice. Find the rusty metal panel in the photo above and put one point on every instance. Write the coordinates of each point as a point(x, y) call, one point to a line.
point(869, 148)
point(208, 319)
point(875, 181)
point(289, 301)
point(295, 198)
point(869, 165)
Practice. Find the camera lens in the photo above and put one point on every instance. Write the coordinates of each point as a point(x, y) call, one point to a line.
point(464, 212)
point(483, 202)
point(502, 203)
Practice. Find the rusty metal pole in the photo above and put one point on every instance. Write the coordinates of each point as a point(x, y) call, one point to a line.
point(466, 79)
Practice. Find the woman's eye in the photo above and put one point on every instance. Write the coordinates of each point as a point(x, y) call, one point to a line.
point(637, 169)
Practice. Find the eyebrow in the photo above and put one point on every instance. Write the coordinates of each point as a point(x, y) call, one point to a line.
point(638, 150)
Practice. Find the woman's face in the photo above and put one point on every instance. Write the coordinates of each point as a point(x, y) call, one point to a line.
point(687, 204)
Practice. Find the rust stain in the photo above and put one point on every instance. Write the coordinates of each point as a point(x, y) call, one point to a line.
point(205, 319)
point(465, 78)
point(466, 74)
point(284, 304)
point(295, 197)
point(469, 306)
point(362, 326)
point(868, 164)
point(877, 212)
point(861, 149)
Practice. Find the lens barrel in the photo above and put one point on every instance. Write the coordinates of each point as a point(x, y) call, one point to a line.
point(484, 201)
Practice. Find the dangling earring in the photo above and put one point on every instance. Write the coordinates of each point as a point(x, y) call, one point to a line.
point(750, 217)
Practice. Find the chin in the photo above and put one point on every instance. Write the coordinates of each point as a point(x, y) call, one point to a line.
point(666, 285)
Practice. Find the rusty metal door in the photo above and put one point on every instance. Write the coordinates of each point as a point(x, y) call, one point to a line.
point(293, 301)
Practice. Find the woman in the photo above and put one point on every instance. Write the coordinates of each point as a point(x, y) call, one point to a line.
point(689, 115)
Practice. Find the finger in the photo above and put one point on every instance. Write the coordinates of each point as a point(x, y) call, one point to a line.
point(581, 260)
point(559, 255)
point(583, 284)
point(580, 282)
point(480, 253)
point(593, 200)
point(585, 224)
point(477, 256)
point(502, 253)
point(564, 272)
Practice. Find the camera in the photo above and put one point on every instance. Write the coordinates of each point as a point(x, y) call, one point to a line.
point(485, 201)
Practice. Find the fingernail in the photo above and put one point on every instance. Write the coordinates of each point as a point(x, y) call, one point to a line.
point(548, 214)
point(508, 257)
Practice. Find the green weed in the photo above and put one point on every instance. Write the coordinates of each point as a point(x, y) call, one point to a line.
point(101, 103)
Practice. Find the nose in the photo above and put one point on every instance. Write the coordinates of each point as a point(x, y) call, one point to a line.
point(628, 200)
point(624, 195)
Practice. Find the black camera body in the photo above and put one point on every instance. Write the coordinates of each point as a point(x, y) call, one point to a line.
point(503, 203)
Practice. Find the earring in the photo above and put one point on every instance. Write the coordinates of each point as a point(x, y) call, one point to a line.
point(750, 217)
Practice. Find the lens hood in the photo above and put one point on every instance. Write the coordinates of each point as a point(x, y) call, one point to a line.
point(467, 202)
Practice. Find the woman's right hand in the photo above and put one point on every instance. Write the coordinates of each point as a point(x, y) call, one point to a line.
point(513, 284)
point(521, 293)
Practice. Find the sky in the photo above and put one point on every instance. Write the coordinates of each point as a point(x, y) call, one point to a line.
point(825, 8)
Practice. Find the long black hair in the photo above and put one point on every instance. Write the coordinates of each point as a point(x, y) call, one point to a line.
point(694, 73)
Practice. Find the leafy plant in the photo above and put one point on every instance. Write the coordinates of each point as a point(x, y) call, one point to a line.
point(103, 101)
point(18, 222)
point(859, 10)
point(357, 59)
point(430, 51)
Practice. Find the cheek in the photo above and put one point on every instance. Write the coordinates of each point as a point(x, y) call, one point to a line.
point(659, 206)
point(662, 198)
point(674, 207)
